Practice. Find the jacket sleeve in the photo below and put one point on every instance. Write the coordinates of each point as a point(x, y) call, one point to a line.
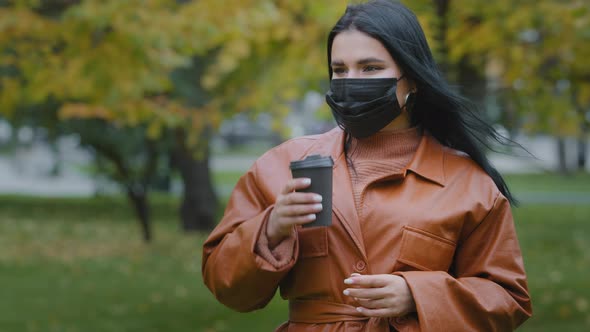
point(487, 290)
point(237, 265)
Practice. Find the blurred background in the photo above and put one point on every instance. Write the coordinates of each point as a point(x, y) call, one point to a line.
point(124, 126)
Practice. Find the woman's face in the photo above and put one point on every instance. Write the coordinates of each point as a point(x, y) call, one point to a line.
point(357, 55)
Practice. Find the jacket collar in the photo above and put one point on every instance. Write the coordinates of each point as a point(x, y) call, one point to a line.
point(428, 162)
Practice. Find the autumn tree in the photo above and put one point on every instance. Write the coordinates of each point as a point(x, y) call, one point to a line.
point(159, 75)
point(101, 69)
point(534, 53)
point(145, 81)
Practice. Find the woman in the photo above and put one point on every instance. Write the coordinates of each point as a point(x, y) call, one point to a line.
point(422, 236)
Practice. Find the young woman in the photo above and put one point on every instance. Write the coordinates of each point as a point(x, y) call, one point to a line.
point(422, 235)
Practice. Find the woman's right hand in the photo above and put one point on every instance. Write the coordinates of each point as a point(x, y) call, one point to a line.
point(292, 209)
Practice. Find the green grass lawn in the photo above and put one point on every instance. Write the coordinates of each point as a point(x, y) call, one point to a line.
point(79, 265)
point(573, 183)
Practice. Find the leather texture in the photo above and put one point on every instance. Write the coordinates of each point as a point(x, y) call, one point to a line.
point(441, 224)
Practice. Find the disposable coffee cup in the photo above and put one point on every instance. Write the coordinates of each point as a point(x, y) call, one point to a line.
point(319, 170)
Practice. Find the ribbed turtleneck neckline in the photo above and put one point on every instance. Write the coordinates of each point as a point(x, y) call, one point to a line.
point(386, 145)
point(380, 155)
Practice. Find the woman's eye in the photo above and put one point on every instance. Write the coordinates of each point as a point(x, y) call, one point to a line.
point(339, 70)
point(372, 68)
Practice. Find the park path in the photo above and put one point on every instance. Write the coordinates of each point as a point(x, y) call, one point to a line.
point(25, 172)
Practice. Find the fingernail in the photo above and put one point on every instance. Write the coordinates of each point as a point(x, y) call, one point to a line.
point(317, 198)
point(346, 292)
point(348, 281)
point(359, 309)
point(317, 207)
point(306, 181)
point(311, 216)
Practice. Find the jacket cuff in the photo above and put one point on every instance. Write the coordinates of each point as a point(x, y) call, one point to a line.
point(426, 286)
point(282, 254)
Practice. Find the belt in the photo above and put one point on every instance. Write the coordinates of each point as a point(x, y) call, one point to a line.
point(317, 312)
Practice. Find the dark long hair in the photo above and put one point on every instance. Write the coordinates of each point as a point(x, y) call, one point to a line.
point(448, 116)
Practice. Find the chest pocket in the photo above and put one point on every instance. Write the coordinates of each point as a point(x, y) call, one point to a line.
point(424, 251)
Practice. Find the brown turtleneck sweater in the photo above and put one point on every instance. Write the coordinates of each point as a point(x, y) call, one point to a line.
point(378, 156)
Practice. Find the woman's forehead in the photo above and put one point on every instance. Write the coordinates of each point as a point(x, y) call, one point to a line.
point(353, 46)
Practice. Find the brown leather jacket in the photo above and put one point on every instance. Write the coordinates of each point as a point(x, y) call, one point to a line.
point(443, 226)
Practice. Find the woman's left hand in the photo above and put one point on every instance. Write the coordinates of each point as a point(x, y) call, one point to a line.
point(380, 295)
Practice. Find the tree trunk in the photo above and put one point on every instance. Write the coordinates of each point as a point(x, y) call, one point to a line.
point(561, 153)
point(136, 189)
point(584, 128)
point(440, 34)
point(582, 148)
point(139, 202)
point(199, 204)
point(472, 82)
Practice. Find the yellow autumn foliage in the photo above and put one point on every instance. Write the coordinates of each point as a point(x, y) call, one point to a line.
point(112, 59)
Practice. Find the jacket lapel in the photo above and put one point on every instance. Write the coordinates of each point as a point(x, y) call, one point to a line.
point(343, 203)
point(344, 206)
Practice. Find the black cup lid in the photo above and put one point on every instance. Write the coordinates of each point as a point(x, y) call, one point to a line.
point(312, 161)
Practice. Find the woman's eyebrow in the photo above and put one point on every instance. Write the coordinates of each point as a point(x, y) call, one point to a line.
point(370, 60)
point(337, 63)
point(340, 63)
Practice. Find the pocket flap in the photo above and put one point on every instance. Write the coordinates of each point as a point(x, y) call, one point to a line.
point(313, 242)
point(425, 251)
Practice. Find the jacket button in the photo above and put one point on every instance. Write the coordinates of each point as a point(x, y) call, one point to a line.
point(360, 266)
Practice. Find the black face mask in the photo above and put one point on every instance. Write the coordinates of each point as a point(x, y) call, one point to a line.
point(362, 107)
